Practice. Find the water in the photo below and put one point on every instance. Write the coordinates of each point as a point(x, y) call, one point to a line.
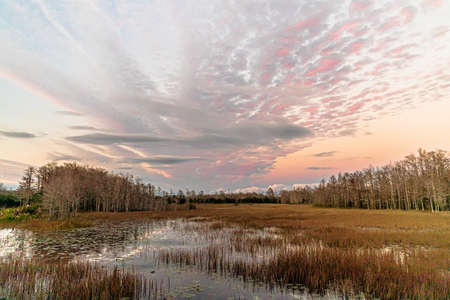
point(138, 245)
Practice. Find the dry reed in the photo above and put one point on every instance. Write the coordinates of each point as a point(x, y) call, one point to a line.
point(31, 279)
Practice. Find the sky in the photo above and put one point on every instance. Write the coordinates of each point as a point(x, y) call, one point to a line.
point(220, 94)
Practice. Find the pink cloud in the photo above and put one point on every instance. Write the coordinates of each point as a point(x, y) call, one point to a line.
point(373, 74)
point(432, 3)
point(289, 77)
point(360, 6)
point(283, 52)
point(264, 64)
point(394, 21)
point(356, 47)
point(288, 66)
point(326, 64)
point(279, 108)
point(439, 34)
point(266, 77)
point(399, 51)
point(307, 82)
point(326, 52)
point(355, 107)
point(350, 27)
point(335, 81)
point(311, 109)
point(381, 66)
point(379, 90)
point(304, 24)
point(329, 99)
point(360, 33)
point(407, 15)
point(334, 104)
point(288, 40)
point(379, 47)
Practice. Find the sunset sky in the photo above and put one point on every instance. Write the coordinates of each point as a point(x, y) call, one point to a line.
point(222, 94)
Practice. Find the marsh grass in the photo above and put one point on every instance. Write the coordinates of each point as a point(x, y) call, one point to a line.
point(48, 225)
point(378, 254)
point(28, 279)
point(384, 274)
point(387, 255)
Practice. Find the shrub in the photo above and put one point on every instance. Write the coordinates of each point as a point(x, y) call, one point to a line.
point(9, 200)
point(20, 213)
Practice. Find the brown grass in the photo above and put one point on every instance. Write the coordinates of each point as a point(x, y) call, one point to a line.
point(344, 272)
point(49, 225)
point(339, 227)
point(359, 249)
point(291, 217)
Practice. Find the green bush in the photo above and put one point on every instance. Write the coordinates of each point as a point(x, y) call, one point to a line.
point(20, 213)
point(9, 218)
point(9, 200)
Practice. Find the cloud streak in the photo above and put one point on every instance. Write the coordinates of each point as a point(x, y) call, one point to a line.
point(239, 134)
point(325, 154)
point(161, 160)
point(68, 113)
point(18, 135)
point(83, 128)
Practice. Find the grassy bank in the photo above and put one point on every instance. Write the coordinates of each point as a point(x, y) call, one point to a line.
point(43, 224)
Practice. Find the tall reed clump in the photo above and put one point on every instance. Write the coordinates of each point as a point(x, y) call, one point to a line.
point(349, 272)
point(27, 279)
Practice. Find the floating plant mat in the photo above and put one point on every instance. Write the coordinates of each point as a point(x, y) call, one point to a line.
point(112, 241)
point(104, 242)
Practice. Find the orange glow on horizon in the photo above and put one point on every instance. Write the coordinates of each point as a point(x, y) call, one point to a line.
point(391, 139)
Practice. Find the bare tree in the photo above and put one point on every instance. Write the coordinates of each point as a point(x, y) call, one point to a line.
point(26, 185)
point(417, 182)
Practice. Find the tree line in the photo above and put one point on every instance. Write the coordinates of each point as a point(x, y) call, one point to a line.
point(62, 190)
point(418, 182)
point(69, 188)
